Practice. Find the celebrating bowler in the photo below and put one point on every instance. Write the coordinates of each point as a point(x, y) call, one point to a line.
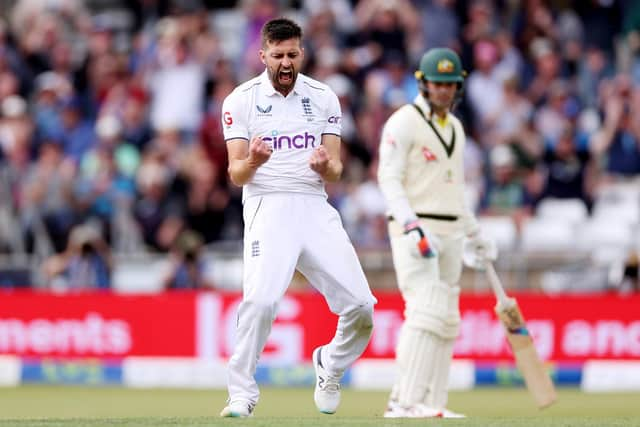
point(282, 131)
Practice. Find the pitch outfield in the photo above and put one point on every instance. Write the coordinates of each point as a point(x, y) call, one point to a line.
point(91, 407)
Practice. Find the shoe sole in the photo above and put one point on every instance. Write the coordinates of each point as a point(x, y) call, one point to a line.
point(233, 414)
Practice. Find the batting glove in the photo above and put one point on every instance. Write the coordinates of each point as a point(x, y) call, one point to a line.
point(477, 250)
point(424, 243)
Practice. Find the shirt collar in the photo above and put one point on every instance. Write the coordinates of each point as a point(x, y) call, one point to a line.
point(424, 105)
point(270, 90)
point(268, 86)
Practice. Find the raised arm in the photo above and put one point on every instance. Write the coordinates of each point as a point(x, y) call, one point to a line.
point(325, 159)
point(245, 158)
point(602, 139)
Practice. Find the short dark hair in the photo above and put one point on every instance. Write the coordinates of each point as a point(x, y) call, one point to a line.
point(280, 29)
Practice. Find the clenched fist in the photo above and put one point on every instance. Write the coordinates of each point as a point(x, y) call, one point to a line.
point(259, 152)
point(319, 160)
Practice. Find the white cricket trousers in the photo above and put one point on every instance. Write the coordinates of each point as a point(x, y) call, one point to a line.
point(284, 232)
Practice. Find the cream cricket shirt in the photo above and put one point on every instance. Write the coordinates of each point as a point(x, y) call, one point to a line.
point(293, 125)
point(418, 167)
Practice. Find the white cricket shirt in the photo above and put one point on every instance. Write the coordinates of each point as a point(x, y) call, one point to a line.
point(423, 166)
point(293, 125)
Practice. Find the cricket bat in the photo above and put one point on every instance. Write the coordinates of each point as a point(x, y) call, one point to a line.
point(528, 362)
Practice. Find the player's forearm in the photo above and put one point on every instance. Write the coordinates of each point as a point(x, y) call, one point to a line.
point(396, 199)
point(241, 171)
point(333, 171)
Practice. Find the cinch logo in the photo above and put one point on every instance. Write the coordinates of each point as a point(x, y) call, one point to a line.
point(295, 141)
point(334, 119)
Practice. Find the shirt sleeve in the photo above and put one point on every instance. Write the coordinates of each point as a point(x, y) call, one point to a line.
point(333, 124)
point(234, 120)
point(470, 223)
point(394, 149)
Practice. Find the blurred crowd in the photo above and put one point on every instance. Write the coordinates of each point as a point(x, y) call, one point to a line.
point(110, 110)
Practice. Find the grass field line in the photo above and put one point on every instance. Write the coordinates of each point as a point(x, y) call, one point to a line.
point(49, 406)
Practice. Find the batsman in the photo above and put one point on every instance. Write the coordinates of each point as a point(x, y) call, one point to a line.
point(421, 176)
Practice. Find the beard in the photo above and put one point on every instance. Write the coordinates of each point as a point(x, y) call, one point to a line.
point(283, 81)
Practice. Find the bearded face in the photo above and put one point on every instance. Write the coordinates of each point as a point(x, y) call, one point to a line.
point(283, 60)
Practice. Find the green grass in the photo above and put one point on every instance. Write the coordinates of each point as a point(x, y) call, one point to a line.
point(91, 407)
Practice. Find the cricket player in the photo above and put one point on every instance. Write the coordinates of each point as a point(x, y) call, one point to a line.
point(282, 131)
point(422, 179)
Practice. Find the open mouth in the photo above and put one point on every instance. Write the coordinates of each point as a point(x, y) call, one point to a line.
point(285, 77)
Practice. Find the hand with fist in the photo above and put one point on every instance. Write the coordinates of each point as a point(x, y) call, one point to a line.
point(325, 161)
point(259, 152)
point(319, 160)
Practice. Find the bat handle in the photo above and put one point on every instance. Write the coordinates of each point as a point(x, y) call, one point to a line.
point(494, 281)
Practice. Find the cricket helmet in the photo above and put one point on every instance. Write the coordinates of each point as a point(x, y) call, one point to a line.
point(440, 65)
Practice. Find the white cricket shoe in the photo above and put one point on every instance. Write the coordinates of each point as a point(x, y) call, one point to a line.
point(446, 413)
point(238, 409)
point(394, 410)
point(327, 391)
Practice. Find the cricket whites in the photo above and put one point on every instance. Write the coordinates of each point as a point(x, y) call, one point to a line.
point(528, 362)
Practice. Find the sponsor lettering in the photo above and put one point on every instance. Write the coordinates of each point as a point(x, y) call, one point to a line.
point(481, 334)
point(228, 120)
point(563, 329)
point(92, 335)
point(334, 119)
point(296, 142)
point(603, 338)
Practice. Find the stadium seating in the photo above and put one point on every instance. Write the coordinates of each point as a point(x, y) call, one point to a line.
point(502, 230)
point(573, 211)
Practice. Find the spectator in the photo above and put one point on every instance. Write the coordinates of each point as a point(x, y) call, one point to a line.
point(85, 264)
point(136, 129)
point(569, 173)
point(555, 111)
point(106, 179)
point(440, 25)
point(186, 267)
point(205, 197)
point(546, 69)
point(364, 212)
point(158, 212)
point(65, 66)
point(593, 69)
point(511, 115)
point(77, 132)
point(506, 192)
point(176, 86)
point(48, 196)
point(618, 141)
